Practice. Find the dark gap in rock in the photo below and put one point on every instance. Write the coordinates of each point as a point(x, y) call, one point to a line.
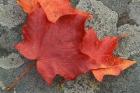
point(124, 19)
point(5, 2)
point(129, 2)
point(18, 29)
point(4, 52)
point(3, 29)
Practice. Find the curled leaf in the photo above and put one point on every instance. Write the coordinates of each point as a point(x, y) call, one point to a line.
point(54, 9)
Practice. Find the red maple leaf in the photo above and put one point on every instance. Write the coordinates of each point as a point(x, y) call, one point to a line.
point(102, 52)
point(55, 37)
point(55, 46)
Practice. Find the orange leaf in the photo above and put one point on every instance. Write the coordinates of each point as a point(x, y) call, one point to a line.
point(102, 52)
point(54, 9)
point(28, 5)
point(114, 70)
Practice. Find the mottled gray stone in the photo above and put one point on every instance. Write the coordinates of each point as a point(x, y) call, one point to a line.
point(32, 83)
point(135, 0)
point(83, 84)
point(129, 46)
point(11, 17)
point(135, 12)
point(120, 6)
point(105, 20)
point(9, 38)
point(12, 61)
point(10, 13)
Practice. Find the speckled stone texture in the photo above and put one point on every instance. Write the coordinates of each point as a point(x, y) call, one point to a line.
point(135, 11)
point(111, 17)
point(105, 20)
point(120, 6)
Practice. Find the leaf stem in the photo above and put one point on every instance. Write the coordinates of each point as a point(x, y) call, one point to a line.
point(23, 73)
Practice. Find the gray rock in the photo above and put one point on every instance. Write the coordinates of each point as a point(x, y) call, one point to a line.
point(105, 20)
point(9, 38)
point(10, 13)
point(120, 6)
point(83, 84)
point(129, 46)
point(11, 61)
point(135, 0)
point(135, 12)
point(32, 83)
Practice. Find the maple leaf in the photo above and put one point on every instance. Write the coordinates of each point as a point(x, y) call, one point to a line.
point(55, 46)
point(55, 37)
point(102, 52)
point(28, 5)
point(54, 9)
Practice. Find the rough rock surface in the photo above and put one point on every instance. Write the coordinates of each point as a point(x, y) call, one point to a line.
point(10, 13)
point(9, 37)
point(129, 46)
point(12, 61)
point(106, 15)
point(135, 11)
point(83, 84)
point(120, 6)
point(135, 0)
point(105, 20)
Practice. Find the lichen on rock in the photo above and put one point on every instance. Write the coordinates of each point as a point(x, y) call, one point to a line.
point(120, 6)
